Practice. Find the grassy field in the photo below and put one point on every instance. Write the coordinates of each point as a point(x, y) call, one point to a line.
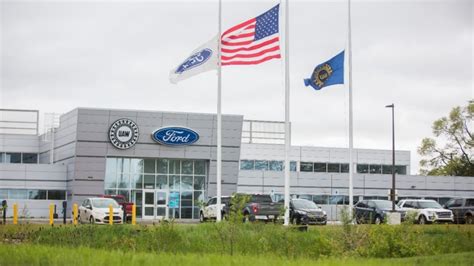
point(216, 243)
point(45, 255)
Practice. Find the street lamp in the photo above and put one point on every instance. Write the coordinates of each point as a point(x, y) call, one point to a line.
point(392, 194)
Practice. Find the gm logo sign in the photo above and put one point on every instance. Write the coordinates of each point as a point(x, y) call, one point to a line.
point(175, 136)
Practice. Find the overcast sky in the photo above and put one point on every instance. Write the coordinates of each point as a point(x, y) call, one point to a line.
point(58, 55)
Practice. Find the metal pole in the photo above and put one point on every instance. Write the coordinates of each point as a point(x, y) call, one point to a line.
point(392, 193)
point(219, 118)
point(351, 142)
point(287, 118)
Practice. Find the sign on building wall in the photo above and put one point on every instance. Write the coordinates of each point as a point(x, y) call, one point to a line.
point(175, 136)
point(123, 133)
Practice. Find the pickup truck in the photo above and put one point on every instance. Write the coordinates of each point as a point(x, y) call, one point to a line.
point(462, 208)
point(209, 210)
point(122, 201)
point(261, 207)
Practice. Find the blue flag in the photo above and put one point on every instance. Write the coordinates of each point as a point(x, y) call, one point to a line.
point(328, 73)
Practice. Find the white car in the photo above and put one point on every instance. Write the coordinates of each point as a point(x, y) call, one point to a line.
point(427, 211)
point(96, 210)
point(209, 210)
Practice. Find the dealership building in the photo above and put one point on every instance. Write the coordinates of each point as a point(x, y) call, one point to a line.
point(165, 162)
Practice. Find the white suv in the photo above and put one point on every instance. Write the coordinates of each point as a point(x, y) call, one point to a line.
point(427, 211)
point(209, 210)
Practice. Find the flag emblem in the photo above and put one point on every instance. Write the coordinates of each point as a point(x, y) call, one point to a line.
point(194, 60)
point(328, 73)
point(253, 41)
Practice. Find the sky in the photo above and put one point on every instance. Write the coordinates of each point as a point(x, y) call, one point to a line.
point(59, 55)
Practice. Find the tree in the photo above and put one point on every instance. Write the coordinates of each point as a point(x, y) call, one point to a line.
point(456, 157)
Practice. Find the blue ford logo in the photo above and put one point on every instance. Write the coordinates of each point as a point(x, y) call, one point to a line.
point(175, 136)
point(195, 60)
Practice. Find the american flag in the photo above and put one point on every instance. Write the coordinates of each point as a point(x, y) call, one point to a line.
point(253, 41)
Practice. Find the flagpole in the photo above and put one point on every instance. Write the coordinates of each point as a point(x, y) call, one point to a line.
point(287, 118)
point(219, 117)
point(349, 59)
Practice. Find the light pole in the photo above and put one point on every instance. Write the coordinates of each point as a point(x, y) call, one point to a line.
point(392, 194)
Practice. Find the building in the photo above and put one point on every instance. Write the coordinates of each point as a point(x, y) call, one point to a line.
point(165, 162)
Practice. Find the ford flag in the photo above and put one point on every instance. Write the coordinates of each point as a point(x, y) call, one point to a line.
point(200, 60)
point(328, 73)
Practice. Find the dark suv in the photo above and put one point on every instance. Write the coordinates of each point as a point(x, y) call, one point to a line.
point(374, 211)
point(306, 212)
point(462, 208)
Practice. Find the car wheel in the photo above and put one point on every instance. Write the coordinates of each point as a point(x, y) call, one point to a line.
point(294, 221)
point(469, 219)
point(422, 219)
point(201, 218)
point(246, 218)
point(79, 220)
point(378, 220)
point(91, 220)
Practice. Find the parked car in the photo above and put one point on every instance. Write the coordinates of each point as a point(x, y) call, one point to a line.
point(427, 211)
point(306, 212)
point(374, 211)
point(261, 207)
point(462, 208)
point(96, 210)
point(122, 200)
point(209, 210)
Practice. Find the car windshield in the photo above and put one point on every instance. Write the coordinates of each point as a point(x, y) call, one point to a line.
point(104, 203)
point(304, 204)
point(385, 204)
point(429, 204)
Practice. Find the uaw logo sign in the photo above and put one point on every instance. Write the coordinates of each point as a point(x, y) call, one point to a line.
point(175, 136)
point(123, 133)
point(195, 60)
point(321, 74)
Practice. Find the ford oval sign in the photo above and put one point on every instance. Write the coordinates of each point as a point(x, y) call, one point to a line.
point(175, 136)
point(194, 60)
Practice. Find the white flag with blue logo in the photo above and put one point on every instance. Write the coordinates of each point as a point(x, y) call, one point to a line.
point(201, 60)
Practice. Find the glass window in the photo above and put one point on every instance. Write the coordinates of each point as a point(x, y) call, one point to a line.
point(199, 167)
point(110, 192)
point(187, 167)
point(136, 180)
point(334, 168)
point(126, 165)
point(275, 165)
point(174, 166)
point(12, 157)
point(30, 157)
point(56, 194)
point(125, 193)
point(186, 182)
point(261, 165)
point(136, 166)
point(174, 182)
point(199, 182)
point(344, 168)
point(306, 167)
point(149, 166)
point(2, 157)
point(305, 196)
point(362, 168)
point(162, 166)
point(149, 181)
point(123, 181)
point(320, 199)
point(386, 169)
point(401, 169)
point(320, 167)
point(336, 199)
point(469, 202)
point(246, 164)
point(162, 182)
point(375, 169)
point(110, 180)
point(37, 194)
point(17, 194)
point(3, 194)
point(293, 166)
point(111, 165)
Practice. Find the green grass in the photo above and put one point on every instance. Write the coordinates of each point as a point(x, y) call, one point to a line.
point(26, 254)
point(270, 240)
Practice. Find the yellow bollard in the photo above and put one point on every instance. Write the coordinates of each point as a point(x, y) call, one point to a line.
point(15, 213)
point(111, 215)
point(51, 214)
point(134, 214)
point(74, 213)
